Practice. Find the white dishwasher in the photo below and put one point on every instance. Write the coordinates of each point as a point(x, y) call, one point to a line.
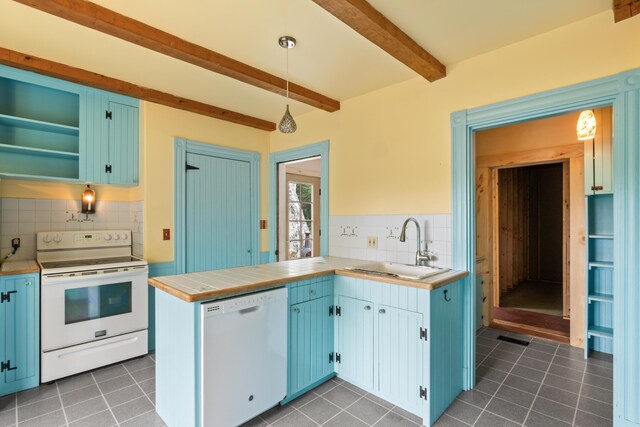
point(243, 357)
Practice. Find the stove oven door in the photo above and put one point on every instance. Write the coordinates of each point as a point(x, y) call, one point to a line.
point(84, 308)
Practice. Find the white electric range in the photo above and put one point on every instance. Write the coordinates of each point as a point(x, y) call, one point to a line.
point(93, 301)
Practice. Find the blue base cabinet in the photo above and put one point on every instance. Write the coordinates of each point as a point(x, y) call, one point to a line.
point(400, 343)
point(310, 359)
point(20, 333)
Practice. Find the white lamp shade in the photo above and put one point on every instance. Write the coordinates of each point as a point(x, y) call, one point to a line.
point(586, 128)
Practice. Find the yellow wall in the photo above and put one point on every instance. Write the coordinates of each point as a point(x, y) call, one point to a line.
point(161, 124)
point(391, 149)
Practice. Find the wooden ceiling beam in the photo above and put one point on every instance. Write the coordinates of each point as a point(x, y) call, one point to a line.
point(373, 25)
point(624, 9)
point(96, 17)
point(98, 81)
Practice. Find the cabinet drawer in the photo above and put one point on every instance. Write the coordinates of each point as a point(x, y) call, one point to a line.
point(309, 291)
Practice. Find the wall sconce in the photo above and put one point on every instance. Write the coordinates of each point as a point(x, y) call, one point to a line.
point(89, 201)
point(586, 128)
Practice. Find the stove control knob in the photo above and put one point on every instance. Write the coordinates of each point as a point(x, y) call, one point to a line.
point(116, 236)
point(57, 238)
point(107, 237)
point(46, 238)
point(124, 236)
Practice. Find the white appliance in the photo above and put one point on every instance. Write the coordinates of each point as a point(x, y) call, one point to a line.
point(94, 301)
point(243, 357)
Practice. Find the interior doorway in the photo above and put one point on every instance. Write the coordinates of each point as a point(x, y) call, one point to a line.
point(531, 232)
point(299, 203)
point(530, 225)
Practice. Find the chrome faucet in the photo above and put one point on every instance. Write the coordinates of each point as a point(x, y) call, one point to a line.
point(421, 256)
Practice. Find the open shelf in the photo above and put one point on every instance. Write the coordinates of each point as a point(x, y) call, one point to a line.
point(600, 297)
point(7, 148)
point(601, 236)
point(600, 331)
point(600, 264)
point(24, 123)
point(27, 177)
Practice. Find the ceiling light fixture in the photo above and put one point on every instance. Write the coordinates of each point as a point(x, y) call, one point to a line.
point(287, 124)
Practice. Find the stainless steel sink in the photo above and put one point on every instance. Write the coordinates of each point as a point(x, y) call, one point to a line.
point(403, 271)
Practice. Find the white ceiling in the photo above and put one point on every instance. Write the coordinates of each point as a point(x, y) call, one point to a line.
point(330, 58)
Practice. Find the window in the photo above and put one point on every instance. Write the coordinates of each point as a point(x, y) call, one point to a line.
point(300, 220)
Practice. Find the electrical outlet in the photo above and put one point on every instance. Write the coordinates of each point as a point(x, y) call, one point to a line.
point(166, 234)
point(372, 242)
point(15, 243)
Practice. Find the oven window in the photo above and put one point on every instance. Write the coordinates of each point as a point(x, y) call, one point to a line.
point(94, 302)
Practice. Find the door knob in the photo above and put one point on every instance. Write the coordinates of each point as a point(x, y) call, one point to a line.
point(382, 311)
point(367, 307)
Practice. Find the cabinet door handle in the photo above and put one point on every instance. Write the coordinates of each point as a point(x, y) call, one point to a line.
point(312, 291)
point(296, 310)
point(28, 283)
point(382, 311)
point(367, 307)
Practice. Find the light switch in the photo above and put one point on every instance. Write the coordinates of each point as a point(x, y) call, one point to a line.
point(166, 234)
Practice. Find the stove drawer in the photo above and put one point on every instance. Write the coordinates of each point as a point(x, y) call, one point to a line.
point(73, 360)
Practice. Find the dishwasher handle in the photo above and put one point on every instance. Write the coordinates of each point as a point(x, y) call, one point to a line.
point(249, 310)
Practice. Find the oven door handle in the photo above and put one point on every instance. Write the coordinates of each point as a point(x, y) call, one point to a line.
point(54, 280)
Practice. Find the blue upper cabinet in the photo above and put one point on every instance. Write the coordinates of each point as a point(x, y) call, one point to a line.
point(20, 333)
point(39, 126)
point(109, 146)
point(60, 131)
point(598, 175)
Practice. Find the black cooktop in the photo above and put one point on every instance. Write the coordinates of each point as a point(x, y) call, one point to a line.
point(89, 262)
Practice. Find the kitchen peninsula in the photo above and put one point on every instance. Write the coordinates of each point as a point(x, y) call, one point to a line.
point(397, 338)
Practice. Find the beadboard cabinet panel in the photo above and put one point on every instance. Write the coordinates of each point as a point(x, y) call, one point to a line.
point(310, 343)
point(20, 334)
point(354, 345)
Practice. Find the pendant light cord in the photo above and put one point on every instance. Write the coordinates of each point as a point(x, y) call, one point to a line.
point(287, 74)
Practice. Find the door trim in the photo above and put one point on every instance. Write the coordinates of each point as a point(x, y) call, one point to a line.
point(182, 147)
point(318, 149)
point(621, 91)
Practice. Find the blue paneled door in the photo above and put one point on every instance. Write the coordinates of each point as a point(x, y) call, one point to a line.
point(400, 357)
point(218, 213)
point(310, 343)
point(123, 144)
point(354, 343)
point(19, 333)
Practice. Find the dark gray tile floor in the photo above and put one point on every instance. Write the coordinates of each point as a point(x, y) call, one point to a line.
point(544, 384)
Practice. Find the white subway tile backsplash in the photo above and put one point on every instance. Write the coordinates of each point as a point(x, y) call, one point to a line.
point(58, 205)
point(10, 216)
point(23, 218)
point(348, 237)
point(27, 204)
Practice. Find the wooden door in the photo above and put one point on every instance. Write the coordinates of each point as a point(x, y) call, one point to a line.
point(218, 213)
point(303, 216)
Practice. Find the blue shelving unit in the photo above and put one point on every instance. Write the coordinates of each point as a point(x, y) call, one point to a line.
point(600, 265)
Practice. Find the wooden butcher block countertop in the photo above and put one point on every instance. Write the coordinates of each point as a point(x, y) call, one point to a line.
point(208, 285)
point(10, 268)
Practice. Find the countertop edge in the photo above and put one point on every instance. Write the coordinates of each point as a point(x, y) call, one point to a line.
point(431, 283)
point(236, 290)
point(32, 267)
